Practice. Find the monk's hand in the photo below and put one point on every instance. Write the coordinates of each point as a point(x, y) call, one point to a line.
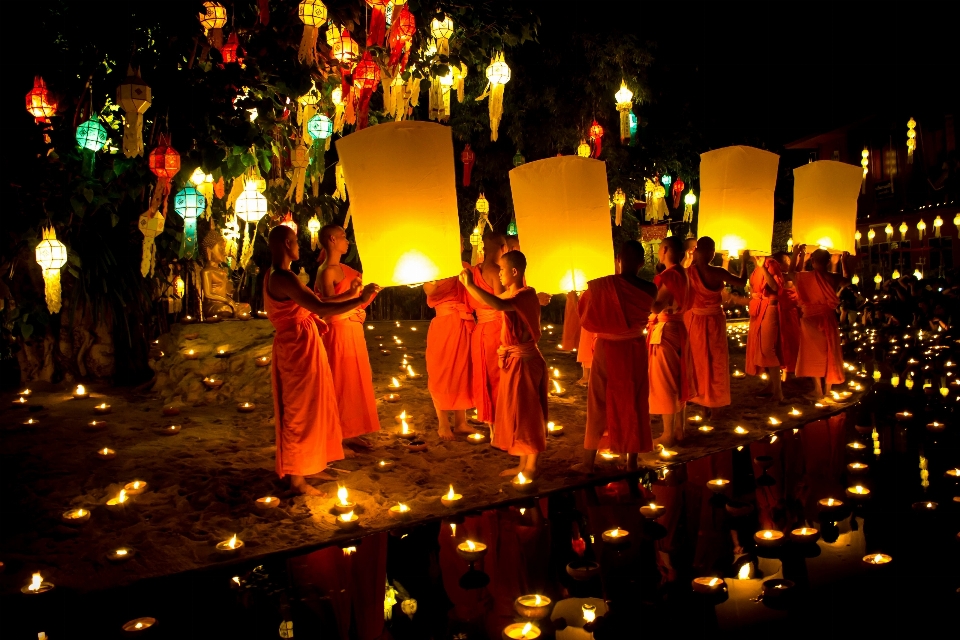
point(544, 298)
point(355, 287)
point(369, 292)
point(466, 278)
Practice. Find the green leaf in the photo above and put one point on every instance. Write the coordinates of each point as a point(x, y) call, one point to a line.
point(26, 330)
point(114, 219)
point(78, 207)
point(88, 194)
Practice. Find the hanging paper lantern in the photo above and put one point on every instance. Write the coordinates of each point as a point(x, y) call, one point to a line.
point(320, 127)
point(871, 234)
point(289, 222)
point(865, 161)
point(903, 231)
point(204, 184)
point(164, 162)
point(189, 204)
point(251, 207)
point(937, 223)
point(366, 75)
point(39, 102)
point(956, 222)
point(442, 31)
point(51, 256)
point(467, 157)
point(341, 192)
point(877, 280)
point(676, 191)
point(231, 50)
point(133, 96)
point(179, 286)
point(911, 139)
point(921, 227)
point(314, 226)
point(313, 14)
point(688, 201)
point(498, 75)
point(596, 137)
point(583, 150)
point(151, 225)
point(401, 35)
point(634, 123)
point(512, 227)
point(855, 280)
point(213, 21)
point(299, 161)
point(825, 205)
point(346, 50)
point(656, 208)
point(518, 159)
point(666, 179)
point(624, 98)
point(619, 199)
point(483, 205)
point(377, 29)
point(91, 135)
point(333, 34)
point(231, 236)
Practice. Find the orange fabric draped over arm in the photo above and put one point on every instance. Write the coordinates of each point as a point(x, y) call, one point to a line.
point(483, 352)
point(448, 347)
point(820, 354)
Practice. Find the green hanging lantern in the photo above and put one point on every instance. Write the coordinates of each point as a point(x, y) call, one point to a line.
point(518, 160)
point(189, 204)
point(320, 127)
point(634, 122)
point(666, 180)
point(91, 136)
point(512, 227)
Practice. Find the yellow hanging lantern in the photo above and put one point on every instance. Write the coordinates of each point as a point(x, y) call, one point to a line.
point(688, 201)
point(790, 244)
point(213, 21)
point(889, 231)
point(825, 205)
point(346, 50)
point(299, 160)
point(871, 234)
point(855, 280)
point(204, 184)
point(911, 139)
point(339, 107)
point(903, 231)
point(251, 206)
point(624, 98)
point(313, 226)
point(151, 225)
point(341, 192)
point(619, 199)
point(921, 227)
point(483, 205)
point(51, 256)
point(583, 150)
point(442, 31)
point(134, 97)
point(498, 75)
point(736, 198)
point(956, 222)
point(865, 161)
point(896, 274)
point(877, 280)
point(333, 34)
point(231, 237)
point(313, 14)
point(179, 286)
point(856, 237)
point(937, 223)
point(656, 208)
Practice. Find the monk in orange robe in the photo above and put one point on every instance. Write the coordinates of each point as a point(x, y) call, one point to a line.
point(820, 354)
point(520, 427)
point(588, 340)
point(448, 355)
point(707, 326)
point(304, 399)
point(615, 308)
point(345, 344)
point(486, 336)
point(672, 377)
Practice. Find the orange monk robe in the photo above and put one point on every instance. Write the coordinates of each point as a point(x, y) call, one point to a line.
point(772, 340)
point(707, 332)
point(571, 323)
point(448, 347)
point(350, 364)
point(820, 354)
point(672, 377)
point(521, 416)
point(617, 393)
point(483, 352)
point(304, 400)
point(588, 340)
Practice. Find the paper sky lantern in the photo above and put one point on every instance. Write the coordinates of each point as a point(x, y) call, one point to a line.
point(825, 205)
point(736, 198)
point(624, 98)
point(408, 230)
point(442, 31)
point(213, 21)
point(563, 216)
point(498, 75)
point(39, 103)
point(313, 14)
point(51, 256)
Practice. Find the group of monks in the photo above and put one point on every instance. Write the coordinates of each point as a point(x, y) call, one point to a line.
point(646, 348)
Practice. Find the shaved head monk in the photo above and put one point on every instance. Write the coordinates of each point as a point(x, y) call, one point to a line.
point(520, 426)
point(820, 355)
point(707, 326)
point(774, 334)
point(615, 309)
point(672, 377)
point(486, 337)
point(449, 375)
point(345, 344)
point(304, 399)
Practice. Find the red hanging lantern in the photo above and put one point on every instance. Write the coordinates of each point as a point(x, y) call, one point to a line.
point(39, 103)
point(596, 137)
point(264, 7)
point(401, 35)
point(676, 191)
point(366, 77)
point(468, 157)
point(377, 30)
point(164, 162)
point(231, 50)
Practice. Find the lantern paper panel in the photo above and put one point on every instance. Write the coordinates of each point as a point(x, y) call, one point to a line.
point(825, 205)
point(51, 256)
point(563, 220)
point(407, 228)
point(134, 97)
point(736, 198)
point(40, 104)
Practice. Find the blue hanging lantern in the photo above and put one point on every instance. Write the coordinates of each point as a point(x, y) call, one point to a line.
point(189, 204)
point(512, 228)
point(634, 122)
point(91, 136)
point(320, 127)
point(666, 179)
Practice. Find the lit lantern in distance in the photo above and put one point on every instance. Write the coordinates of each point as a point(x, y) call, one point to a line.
point(563, 213)
point(51, 256)
point(91, 135)
point(825, 205)
point(320, 127)
point(736, 198)
point(408, 233)
point(39, 103)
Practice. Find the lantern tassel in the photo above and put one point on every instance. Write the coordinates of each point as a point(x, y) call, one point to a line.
point(308, 46)
point(132, 134)
point(247, 246)
point(300, 160)
point(51, 289)
point(378, 26)
point(264, 6)
point(619, 218)
point(496, 110)
point(341, 192)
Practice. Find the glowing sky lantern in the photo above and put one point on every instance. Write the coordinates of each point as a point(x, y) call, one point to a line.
point(408, 233)
point(825, 205)
point(563, 217)
point(736, 198)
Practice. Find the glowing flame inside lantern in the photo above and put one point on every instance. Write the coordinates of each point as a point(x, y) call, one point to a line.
point(414, 267)
point(342, 495)
point(734, 244)
point(573, 280)
point(81, 390)
point(589, 612)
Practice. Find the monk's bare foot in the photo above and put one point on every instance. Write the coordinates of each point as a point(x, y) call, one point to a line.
point(323, 475)
point(300, 485)
point(359, 443)
point(582, 382)
point(510, 472)
point(349, 453)
point(445, 433)
point(464, 429)
point(584, 468)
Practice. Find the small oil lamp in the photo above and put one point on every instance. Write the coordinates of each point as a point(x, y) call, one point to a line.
point(119, 500)
point(392, 397)
point(96, 425)
point(212, 383)
point(262, 361)
point(554, 429)
point(31, 422)
point(830, 505)
point(246, 407)
point(705, 428)
point(81, 392)
point(805, 535)
point(520, 631)
point(695, 419)
point(895, 380)
point(556, 389)
point(106, 454)
point(120, 554)
point(877, 559)
point(403, 415)
point(348, 521)
point(718, 485)
point(521, 482)
point(400, 511)
point(773, 421)
point(606, 454)
point(135, 488)
point(191, 354)
point(477, 438)
point(764, 376)
point(471, 551)
point(243, 315)
point(394, 384)
point(384, 465)
point(738, 374)
point(936, 427)
point(667, 453)
point(616, 536)
point(268, 502)
point(139, 624)
point(406, 432)
point(795, 412)
point(369, 327)
point(343, 505)
point(170, 430)
point(36, 585)
point(102, 409)
point(768, 538)
point(925, 506)
point(707, 585)
point(589, 612)
point(76, 516)
point(534, 607)
point(187, 320)
point(450, 499)
point(230, 546)
point(411, 374)
point(740, 430)
point(856, 446)
point(858, 491)
point(857, 467)
point(26, 393)
point(652, 511)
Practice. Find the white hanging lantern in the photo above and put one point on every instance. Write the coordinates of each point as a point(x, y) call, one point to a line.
point(51, 256)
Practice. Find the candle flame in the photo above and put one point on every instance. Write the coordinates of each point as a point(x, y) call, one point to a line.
point(191, 352)
point(349, 551)
point(81, 390)
point(394, 382)
point(139, 625)
point(745, 572)
point(120, 552)
point(347, 517)
point(589, 612)
point(878, 558)
point(859, 489)
point(268, 499)
point(410, 371)
point(105, 451)
point(767, 534)
point(740, 430)
point(342, 494)
point(929, 505)
point(556, 387)
point(453, 529)
point(232, 542)
point(137, 484)
point(536, 601)
point(236, 579)
point(713, 582)
point(403, 415)
point(471, 545)
point(35, 582)
point(526, 629)
point(103, 405)
point(404, 427)
point(774, 421)
point(450, 494)
point(521, 479)
point(556, 372)
point(830, 502)
point(122, 496)
point(402, 507)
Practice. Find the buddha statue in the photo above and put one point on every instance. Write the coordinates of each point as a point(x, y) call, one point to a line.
point(215, 281)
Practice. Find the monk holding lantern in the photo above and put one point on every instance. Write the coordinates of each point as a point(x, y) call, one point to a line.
point(774, 333)
point(486, 336)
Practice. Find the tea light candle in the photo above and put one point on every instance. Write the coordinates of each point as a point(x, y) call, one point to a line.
point(903, 416)
point(221, 353)
point(31, 422)
point(96, 425)
point(471, 551)
point(36, 585)
point(936, 427)
point(394, 384)
point(718, 484)
point(171, 410)
point(384, 352)
point(76, 516)
point(411, 374)
point(261, 314)
point(348, 521)
point(616, 536)
point(450, 499)
point(830, 504)
point(805, 535)
point(139, 624)
point(773, 422)
point(740, 430)
point(392, 397)
point(135, 488)
point(384, 465)
point(268, 502)
point(170, 430)
point(81, 392)
point(521, 482)
point(666, 453)
point(858, 491)
point(695, 419)
point(877, 559)
point(738, 374)
point(262, 361)
point(707, 585)
point(191, 355)
point(534, 607)
point(120, 554)
point(400, 511)
point(925, 506)
point(556, 390)
point(554, 429)
point(477, 438)
point(102, 409)
point(243, 315)
point(19, 402)
point(405, 432)
point(768, 538)
point(403, 415)
point(652, 511)
point(246, 407)
point(230, 546)
point(416, 446)
point(520, 631)
point(26, 393)
point(795, 412)
point(952, 473)
point(857, 467)
point(705, 428)
point(119, 500)
point(856, 446)
point(106, 454)
point(212, 383)
point(343, 504)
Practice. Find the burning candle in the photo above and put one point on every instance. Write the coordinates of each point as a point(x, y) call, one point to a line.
point(606, 454)
point(830, 504)
point(139, 624)
point(187, 320)
point(268, 502)
point(535, 607)
point(805, 535)
point(191, 355)
point(261, 314)
point(556, 389)
point(705, 428)
point(135, 488)
point(170, 430)
point(471, 551)
point(31, 422)
point(554, 429)
point(773, 421)
point(405, 431)
point(262, 361)
point(652, 511)
point(718, 484)
point(738, 374)
point(19, 402)
point(96, 425)
point(666, 453)
point(120, 499)
point(520, 631)
point(120, 554)
point(246, 407)
point(394, 383)
point(695, 418)
point(521, 482)
point(384, 465)
point(212, 383)
point(231, 545)
point(925, 506)
point(707, 585)
point(953, 473)
point(400, 511)
point(857, 467)
point(171, 411)
point(81, 392)
point(102, 409)
point(36, 585)
point(858, 491)
point(348, 521)
point(411, 374)
point(403, 415)
point(764, 376)
point(740, 430)
point(877, 559)
point(450, 499)
point(26, 393)
point(392, 397)
point(936, 427)
point(768, 538)
point(343, 504)
point(477, 438)
point(76, 516)
point(794, 412)
point(589, 612)
point(106, 454)
point(895, 380)
point(856, 446)
point(616, 536)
